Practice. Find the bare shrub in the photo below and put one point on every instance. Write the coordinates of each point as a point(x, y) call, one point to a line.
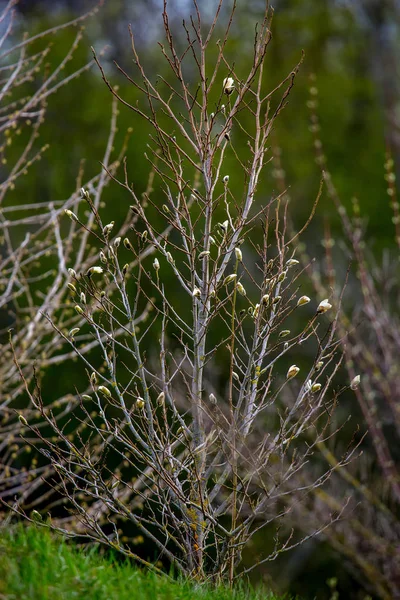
point(184, 429)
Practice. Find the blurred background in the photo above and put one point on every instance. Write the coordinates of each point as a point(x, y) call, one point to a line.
point(351, 63)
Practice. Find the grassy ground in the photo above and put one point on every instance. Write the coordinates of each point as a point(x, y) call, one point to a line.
point(37, 566)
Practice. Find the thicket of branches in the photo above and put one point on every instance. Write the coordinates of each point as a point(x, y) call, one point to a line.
point(194, 429)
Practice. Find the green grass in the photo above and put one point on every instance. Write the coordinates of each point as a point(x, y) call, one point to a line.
point(35, 565)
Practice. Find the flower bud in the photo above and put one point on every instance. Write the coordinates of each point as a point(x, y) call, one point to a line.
point(303, 300)
point(212, 399)
point(323, 306)
point(83, 297)
point(230, 278)
point(93, 378)
point(117, 242)
point(127, 244)
point(71, 287)
point(170, 259)
point(71, 215)
point(204, 253)
point(78, 309)
point(86, 397)
point(238, 254)
point(139, 402)
point(156, 264)
point(196, 292)
point(107, 229)
point(292, 262)
point(355, 382)
point(292, 372)
point(22, 420)
point(284, 333)
point(315, 387)
point(228, 85)
point(225, 179)
point(319, 365)
point(241, 289)
point(73, 332)
point(72, 272)
point(105, 391)
point(160, 398)
point(94, 270)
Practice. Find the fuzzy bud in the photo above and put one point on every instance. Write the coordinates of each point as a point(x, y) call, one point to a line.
point(292, 262)
point(212, 399)
point(284, 333)
point(95, 271)
point(139, 402)
point(230, 278)
point(160, 398)
point(225, 179)
point(103, 257)
point(292, 372)
point(73, 332)
point(323, 306)
point(117, 242)
point(303, 300)
point(93, 378)
point(204, 254)
point(78, 309)
point(72, 272)
point(355, 382)
point(86, 397)
point(22, 420)
point(238, 254)
point(156, 264)
point(70, 214)
point(71, 287)
point(196, 292)
point(228, 85)
point(83, 297)
point(240, 289)
point(107, 229)
point(315, 387)
point(127, 244)
point(105, 391)
point(170, 259)
point(319, 365)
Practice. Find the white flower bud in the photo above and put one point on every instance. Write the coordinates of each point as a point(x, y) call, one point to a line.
point(71, 215)
point(196, 292)
point(107, 229)
point(170, 259)
point(103, 257)
point(315, 387)
point(83, 297)
point(282, 276)
point(355, 382)
point(160, 398)
point(204, 253)
point(93, 378)
point(292, 372)
point(117, 242)
point(86, 397)
point(265, 299)
point(73, 332)
point(127, 244)
point(22, 420)
point(139, 402)
point(71, 287)
point(323, 306)
point(224, 226)
point(238, 254)
point(72, 272)
point(308, 386)
point(95, 271)
point(303, 300)
point(228, 85)
point(230, 278)
point(105, 391)
point(284, 333)
point(212, 399)
point(292, 262)
point(319, 365)
point(156, 264)
point(78, 309)
point(225, 179)
point(235, 376)
point(241, 289)
point(212, 241)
